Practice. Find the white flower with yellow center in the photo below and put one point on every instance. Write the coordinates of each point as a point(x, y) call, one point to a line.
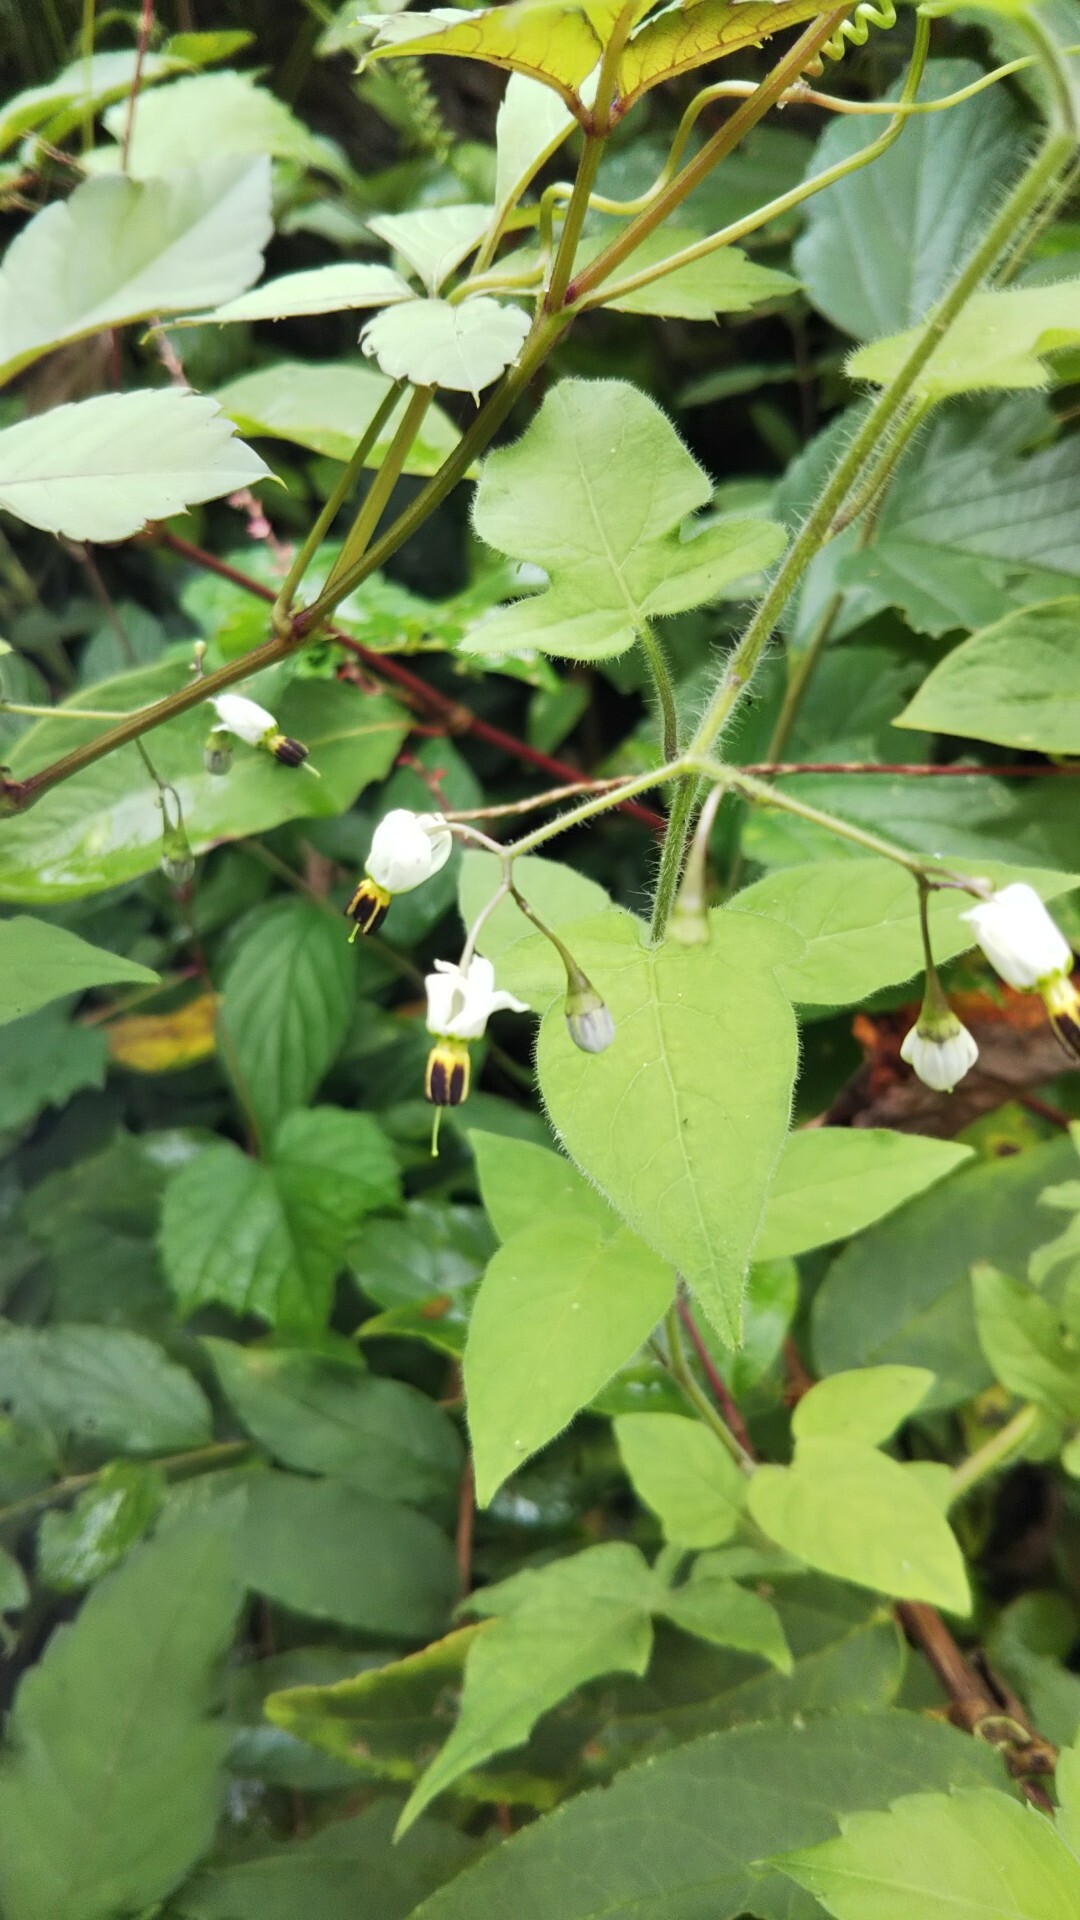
point(1029, 950)
point(460, 1002)
point(406, 849)
point(940, 1050)
point(256, 726)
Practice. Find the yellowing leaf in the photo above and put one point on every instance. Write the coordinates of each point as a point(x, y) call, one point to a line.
point(684, 37)
point(162, 1042)
point(553, 42)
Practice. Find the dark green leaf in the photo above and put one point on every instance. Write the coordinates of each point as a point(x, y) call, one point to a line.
point(288, 1002)
point(103, 1387)
point(39, 962)
point(682, 1834)
point(75, 1548)
point(330, 1416)
point(331, 1553)
point(113, 1783)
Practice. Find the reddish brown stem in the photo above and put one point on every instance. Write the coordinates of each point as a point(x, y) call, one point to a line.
point(456, 717)
point(146, 24)
point(717, 1383)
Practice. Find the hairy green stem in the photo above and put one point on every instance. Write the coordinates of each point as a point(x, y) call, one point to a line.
point(994, 1452)
point(672, 855)
point(663, 688)
point(1025, 198)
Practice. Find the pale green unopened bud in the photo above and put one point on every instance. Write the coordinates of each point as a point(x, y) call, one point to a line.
point(588, 1017)
point(177, 859)
point(217, 753)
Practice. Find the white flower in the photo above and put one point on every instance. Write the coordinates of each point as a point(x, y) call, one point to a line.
point(1018, 936)
point(407, 849)
point(244, 717)
point(462, 1001)
point(940, 1051)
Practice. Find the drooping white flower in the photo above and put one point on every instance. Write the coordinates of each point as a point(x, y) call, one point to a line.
point(257, 727)
point(940, 1051)
point(1019, 938)
point(407, 849)
point(461, 1001)
point(243, 717)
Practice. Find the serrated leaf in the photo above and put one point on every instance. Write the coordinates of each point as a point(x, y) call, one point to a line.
point(681, 1121)
point(880, 245)
point(977, 1852)
point(860, 922)
point(75, 1548)
point(103, 827)
point(867, 1404)
point(860, 1516)
point(113, 1779)
point(1023, 1340)
point(974, 524)
point(560, 1309)
point(433, 240)
point(40, 962)
point(268, 1237)
point(999, 340)
point(434, 344)
point(553, 42)
point(288, 1001)
point(120, 249)
point(831, 1182)
point(725, 281)
point(100, 469)
point(901, 1292)
point(343, 285)
point(331, 1416)
point(330, 1552)
point(678, 39)
point(568, 497)
point(1016, 683)
point(104, 1388)
point(680, 1470)
point(684, 1831)
point(554, 1629)
point(328, 408)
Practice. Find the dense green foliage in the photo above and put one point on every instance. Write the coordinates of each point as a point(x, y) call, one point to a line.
point(598, 1503)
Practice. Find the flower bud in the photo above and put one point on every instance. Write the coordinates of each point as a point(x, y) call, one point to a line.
point(588, 1017)
point(446, 1077)
point(217, 753)
point(939, 1049)
point(177, 860)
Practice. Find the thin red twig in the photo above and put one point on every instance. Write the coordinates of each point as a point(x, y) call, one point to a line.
point(146, 25)
point(456, 717)
point(715, 1379)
